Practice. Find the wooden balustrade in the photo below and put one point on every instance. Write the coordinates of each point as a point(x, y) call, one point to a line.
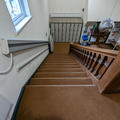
point(101, 64)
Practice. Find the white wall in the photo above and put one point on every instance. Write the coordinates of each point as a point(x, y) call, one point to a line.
point(85, 15)
point(116, 11)
point(99, 10)
point(66, 6)
point(95, 10)
point(11, 83)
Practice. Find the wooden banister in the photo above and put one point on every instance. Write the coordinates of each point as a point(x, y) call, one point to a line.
point(103, 51)
point(110, 82)
point(103, 64)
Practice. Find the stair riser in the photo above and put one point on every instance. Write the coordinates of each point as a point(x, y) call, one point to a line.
point(56, 68)
point(59, 70)
point(47, 63)
point(59, 63)
point(60, 82)
point(61, 75)
point(58, 55)
point(68, 58)
point(59, 59)
point(60, 66)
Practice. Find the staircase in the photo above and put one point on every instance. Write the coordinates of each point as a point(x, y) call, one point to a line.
point(62, 90)
point(60, 69)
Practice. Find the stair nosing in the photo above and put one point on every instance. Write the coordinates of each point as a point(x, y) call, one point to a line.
point(58, 72)
point(87, 85)
point(62, 78)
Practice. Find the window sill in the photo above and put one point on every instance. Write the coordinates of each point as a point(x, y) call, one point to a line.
point(22, 24)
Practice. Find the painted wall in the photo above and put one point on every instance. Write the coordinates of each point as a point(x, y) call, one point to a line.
point(115, 13)
point(66, 6)
point(85, 15)
point(95, 10)
point(99, 10)
point(11, 83)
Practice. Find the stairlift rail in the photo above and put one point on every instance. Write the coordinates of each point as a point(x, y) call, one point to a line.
point(27, 61)
point(10, 46)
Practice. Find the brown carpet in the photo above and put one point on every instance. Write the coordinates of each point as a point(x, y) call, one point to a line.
point(68, 103)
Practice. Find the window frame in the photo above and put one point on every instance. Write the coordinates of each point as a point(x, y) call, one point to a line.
point(21, 20)
point(22, 15)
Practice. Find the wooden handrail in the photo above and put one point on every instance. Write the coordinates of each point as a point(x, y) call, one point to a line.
point(102, 64)
point(99, 50)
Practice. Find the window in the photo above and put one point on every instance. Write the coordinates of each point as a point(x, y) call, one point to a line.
point(19, 12)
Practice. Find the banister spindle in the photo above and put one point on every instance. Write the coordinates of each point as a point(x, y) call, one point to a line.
point(101, 65)
point(84, 56)
point(96, 62)
point(100, 62)
point(88, 60)
point(92, 60)
point(87, 57)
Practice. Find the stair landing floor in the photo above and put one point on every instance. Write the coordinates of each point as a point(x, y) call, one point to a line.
point(68, 103)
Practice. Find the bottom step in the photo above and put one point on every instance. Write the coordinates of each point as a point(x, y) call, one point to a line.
point(68, 103)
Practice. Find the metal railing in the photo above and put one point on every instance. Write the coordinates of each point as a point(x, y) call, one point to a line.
point(66, 29)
